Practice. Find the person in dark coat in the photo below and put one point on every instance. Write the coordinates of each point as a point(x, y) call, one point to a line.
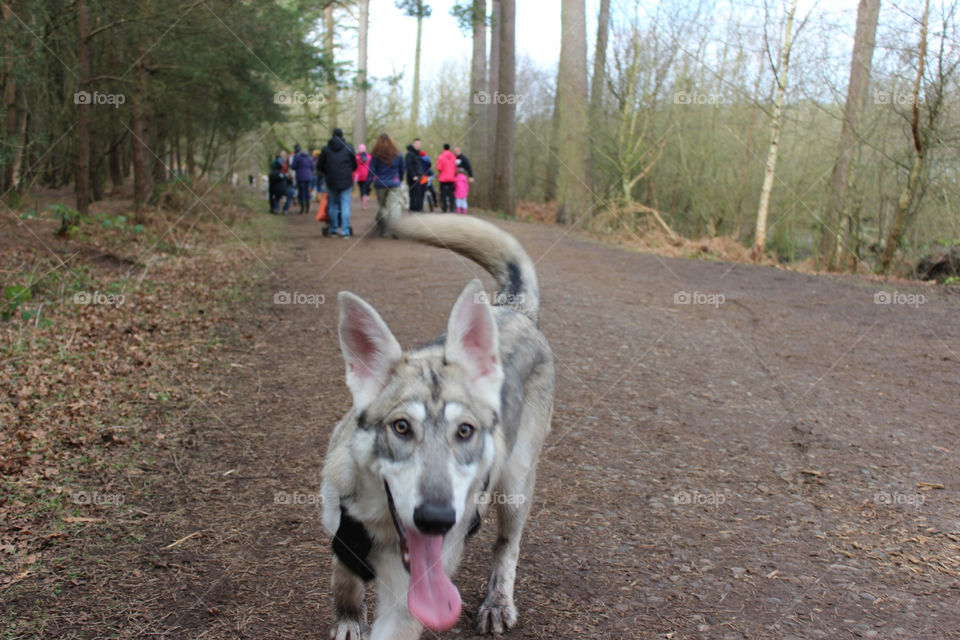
point(302, 165)
point(414, 173)
point(337, 163)
point(278, 185)
point(463, 162)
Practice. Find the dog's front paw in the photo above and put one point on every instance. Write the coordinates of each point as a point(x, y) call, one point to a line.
point(496, 617)
point(348, 630)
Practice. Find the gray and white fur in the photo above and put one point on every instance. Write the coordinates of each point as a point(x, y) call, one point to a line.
point(450, 428)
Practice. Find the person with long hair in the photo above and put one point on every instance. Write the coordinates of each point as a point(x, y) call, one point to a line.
point(386, 176)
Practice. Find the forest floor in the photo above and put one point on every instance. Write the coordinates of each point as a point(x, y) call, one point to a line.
point(737, 452)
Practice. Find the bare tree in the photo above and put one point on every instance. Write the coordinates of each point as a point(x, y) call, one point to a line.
point(360, 111)
point(328, 44)
point(506, 108)
point(493, 88)
point(416, 9)
point(138, 115)
point(599, 73)
point(909, 190)
point(476, 135)
point(471, 17)
point(760, 236)
point(868, 14)
point(571, 107)
point(82, 179)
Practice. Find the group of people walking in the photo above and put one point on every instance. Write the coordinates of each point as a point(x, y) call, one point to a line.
point(336, 168)
point(453, 172)
point(331, 170)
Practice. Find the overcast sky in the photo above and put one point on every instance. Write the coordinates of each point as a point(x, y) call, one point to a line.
point(393, 36)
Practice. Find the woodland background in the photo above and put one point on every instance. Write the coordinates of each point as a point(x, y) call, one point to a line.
point(807, 132)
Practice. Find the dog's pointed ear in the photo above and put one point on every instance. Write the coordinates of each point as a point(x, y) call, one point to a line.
point(473, 342)
point(369, 349)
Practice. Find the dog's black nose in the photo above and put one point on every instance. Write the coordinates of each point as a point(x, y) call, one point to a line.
point(434, 519)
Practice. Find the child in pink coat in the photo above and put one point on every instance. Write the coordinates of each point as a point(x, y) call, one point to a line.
point(461, 187)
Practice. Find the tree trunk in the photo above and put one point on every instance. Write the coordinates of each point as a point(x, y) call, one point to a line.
point(13, 174)
point(476, 136)
point(760, 236)
point(332, 106)
point(115, 163)
point(596, 82)
point(910, 188)
point(158, 129)
point(553, 163)
point(493, 87)
point(209, 154)
point(141, 167)
point(191, 164)
point(506, 111)
point(748, 147)
point(360, 112)
point(861, 62)
point(572, 192)
point(82, 168)
point(415, 105)
point(9, 99)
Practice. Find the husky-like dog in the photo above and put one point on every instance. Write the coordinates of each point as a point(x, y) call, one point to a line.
point(436, 435)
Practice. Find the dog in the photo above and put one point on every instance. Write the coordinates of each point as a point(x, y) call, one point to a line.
point(437, 435)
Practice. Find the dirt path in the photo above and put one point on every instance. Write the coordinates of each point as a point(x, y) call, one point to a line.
point(775, 459)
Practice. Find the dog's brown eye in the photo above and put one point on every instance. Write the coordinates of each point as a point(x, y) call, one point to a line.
point(401, 427)
point(465, 431)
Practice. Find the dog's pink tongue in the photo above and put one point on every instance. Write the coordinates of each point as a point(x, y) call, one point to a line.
point(432, 598)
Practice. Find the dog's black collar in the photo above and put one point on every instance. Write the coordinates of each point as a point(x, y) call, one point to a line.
point(477, 521)
point(352, 544)
point(401, 532)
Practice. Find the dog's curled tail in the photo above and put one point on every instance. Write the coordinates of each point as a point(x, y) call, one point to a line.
point(486, 244)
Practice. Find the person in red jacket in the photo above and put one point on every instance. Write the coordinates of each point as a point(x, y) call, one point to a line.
point(362, 174)
point(446, 175)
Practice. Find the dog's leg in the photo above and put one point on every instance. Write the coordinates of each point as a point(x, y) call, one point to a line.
point(394, 621)
point(498, 613)
point(351, 610)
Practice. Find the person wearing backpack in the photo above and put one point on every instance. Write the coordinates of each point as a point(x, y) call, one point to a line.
point(362, 174)
point(414, 173)
point(278, 185)
point(338, 162)
point(302, 164)
point(426, 180)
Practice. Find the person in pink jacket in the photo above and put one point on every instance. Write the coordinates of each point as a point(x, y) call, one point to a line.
point(362, 174)
point(446, 175)
point(461, 188)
